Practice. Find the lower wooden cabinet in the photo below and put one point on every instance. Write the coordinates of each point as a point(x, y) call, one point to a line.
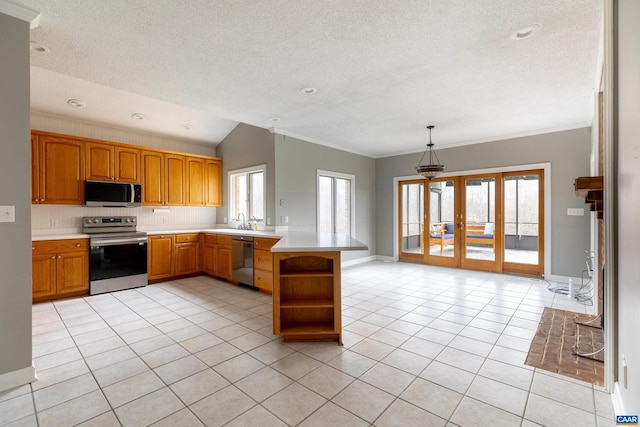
point(223, 257)
point(160, 256)
point(263, 262)
point(209, 248)
point(60, 268)
point(187, 254)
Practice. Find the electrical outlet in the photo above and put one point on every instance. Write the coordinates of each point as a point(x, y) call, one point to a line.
point(7, 214)
point(268, 221)
point(164, 219)
point(224, 220)
point(286, 219)
point(55, 222)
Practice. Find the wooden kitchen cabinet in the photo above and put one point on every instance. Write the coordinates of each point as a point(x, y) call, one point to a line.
point(306, 296)
point(223, 257)
point(160, 256)
point(213, 182)
point(187, 254)
point(209, 251)
point(263, 263)
point(195, 181)
point(60, 268)
point(110, 162)
point(163, 178)
point(59, 170)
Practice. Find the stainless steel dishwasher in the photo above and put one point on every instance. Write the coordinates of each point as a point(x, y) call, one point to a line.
point(242, 259)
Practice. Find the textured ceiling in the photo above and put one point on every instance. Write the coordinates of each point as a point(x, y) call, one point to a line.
point(384, 69)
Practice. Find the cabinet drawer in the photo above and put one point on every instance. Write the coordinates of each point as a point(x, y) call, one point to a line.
point(263, 279)
point(264, 243)
point(224, 240)
point(56, 246)
point(186, 238)
point(210, 238)
point(263, 260)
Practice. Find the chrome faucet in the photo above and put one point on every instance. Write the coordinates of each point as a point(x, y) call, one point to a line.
point(244, 225)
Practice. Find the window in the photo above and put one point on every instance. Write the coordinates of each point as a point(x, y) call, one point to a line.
point(336, 211)
point(247, 193)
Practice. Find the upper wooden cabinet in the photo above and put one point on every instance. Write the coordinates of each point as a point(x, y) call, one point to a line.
point(204, 182)
point(163, 178)
point(60, 164)
point(110, 162)
point(59, 170)
point(195, 181)
point(213, 182)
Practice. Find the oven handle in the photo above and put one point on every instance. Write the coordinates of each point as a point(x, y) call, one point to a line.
point(113, 242)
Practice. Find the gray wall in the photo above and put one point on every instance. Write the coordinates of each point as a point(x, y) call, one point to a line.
point(247, 146)
point(297, 162)
point(15, 189)
point(568, 152)
point(628, 250)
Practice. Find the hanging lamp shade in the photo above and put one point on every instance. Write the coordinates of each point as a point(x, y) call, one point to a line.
point(433, 168)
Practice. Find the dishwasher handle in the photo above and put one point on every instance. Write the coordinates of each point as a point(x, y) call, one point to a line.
point(243, 238)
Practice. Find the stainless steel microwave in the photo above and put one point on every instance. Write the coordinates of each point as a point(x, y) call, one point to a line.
point(112, 194)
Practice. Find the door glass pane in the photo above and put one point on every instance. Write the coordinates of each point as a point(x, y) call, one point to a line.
point(521, 219)
point(441, 218)
point(343, 206)
point(412, 215)
point(480, 218)
point(325, 204)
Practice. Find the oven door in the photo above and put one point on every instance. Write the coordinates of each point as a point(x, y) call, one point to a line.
point(117, 264)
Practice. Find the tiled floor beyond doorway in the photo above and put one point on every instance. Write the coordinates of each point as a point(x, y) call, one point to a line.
point(423, 346)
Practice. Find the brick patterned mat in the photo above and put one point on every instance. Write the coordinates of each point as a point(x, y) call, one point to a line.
point(551, 346)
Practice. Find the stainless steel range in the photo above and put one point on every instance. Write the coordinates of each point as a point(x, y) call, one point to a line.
point(118, 257)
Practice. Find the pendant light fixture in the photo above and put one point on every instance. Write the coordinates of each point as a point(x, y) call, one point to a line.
point(433, 169)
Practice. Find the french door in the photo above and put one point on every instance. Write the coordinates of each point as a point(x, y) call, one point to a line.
point(490, 222)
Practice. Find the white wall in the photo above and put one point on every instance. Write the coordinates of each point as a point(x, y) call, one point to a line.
point(627, 103)
point(15, 182)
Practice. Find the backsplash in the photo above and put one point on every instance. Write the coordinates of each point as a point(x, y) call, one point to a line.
point(60, 219)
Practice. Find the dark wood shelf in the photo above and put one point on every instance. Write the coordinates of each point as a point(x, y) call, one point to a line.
point(591, 188)
point(306, 303)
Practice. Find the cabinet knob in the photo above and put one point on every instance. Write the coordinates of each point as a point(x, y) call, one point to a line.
point(77, 245)
point(33, 248)
point(59, 256)
point(53, 257)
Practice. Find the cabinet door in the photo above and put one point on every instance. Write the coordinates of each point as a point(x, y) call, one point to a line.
point(43, 279)
point(99, 165)
point(174, 180)
point(187, 258)
point(152, 165)
point(127, 164)
point(61, 170)
point(195, 185)
point(213, 183)
point(35, 170)
point(223, 261)
point(160, 253)
point(72, 272)
point(209, 259)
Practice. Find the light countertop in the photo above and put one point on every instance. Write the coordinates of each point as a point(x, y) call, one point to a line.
point(290, 241)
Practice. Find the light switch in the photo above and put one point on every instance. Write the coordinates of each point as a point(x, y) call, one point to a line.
point(7, 214)
point(575, 211)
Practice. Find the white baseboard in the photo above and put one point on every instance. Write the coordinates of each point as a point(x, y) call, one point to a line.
point(357, 261)
point(386, 258)
point(17, 378)
point(618, 404)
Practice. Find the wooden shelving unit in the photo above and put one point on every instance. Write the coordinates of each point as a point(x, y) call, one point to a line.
point(306, 296)
point(591, 188)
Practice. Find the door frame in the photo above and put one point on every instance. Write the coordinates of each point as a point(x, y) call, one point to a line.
point(546, 167)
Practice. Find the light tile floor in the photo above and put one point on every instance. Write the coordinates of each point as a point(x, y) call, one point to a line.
point(423, 346)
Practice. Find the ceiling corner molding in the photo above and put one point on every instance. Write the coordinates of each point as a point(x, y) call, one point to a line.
point(21, 12)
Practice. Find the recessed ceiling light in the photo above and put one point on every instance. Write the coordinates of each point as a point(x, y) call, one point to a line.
point(274, 119)
point(525, 32)
point(138, 116)
point(76, 103)
point(37, 47)
point(308, 90)
point(186, 126)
